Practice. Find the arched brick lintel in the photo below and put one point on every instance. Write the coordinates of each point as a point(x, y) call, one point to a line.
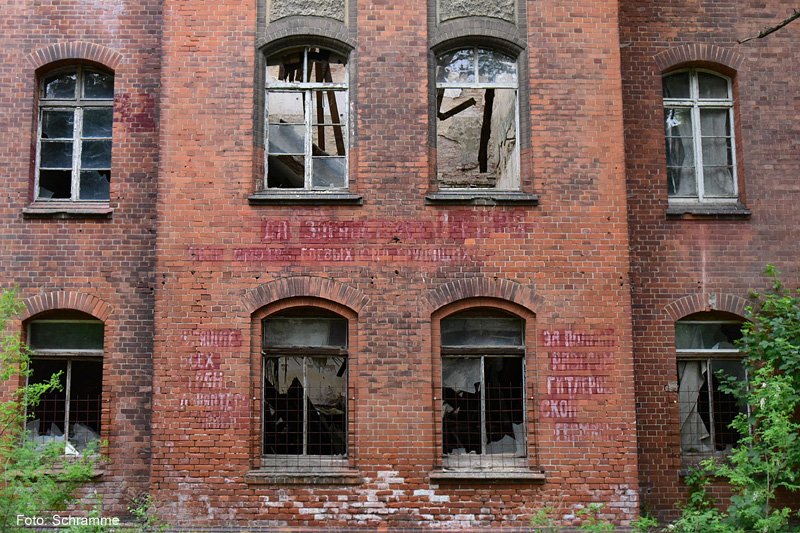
point(698, 303)
point(75, 50)
point(78, 301)
point(502, 289)
point(304, 286)
point(697, 53)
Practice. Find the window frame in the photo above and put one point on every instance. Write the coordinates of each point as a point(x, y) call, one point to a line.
point(708, 356)
point(307, 90)
point(304, 460)
point(69, 355)
point(694, 104)
point(78, 105)
point(485, 461)
point(440, 87)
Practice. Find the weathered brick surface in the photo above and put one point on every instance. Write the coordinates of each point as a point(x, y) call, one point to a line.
point(104, 267)
point(681, 266)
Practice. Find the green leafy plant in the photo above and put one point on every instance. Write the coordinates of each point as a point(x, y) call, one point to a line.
point(767, 457)
point(36, 479)
point(543, 521)
point(592, 522)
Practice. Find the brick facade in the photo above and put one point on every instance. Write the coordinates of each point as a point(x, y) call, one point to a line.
point(190, 254)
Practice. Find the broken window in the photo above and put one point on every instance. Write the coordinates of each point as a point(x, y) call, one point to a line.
point(701, 155)
point(476, 120)
point(72, 349)
point(305, 383)
point(706, 350)
point(306, 126)
point(483, 408)
point(73, 156)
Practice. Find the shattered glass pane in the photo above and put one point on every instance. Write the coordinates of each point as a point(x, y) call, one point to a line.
point(677, 85)
point(325, 66)
point(328, 140)
point(482, 331)
point(494, 67)
point(286, 139)
point(326, 390)
point(287, 66)
point(299, 332)
point(96, 155)
point(283, 405)
point(60, 86)
point(97, 122)
point(285, 107)
point(56, 154)
point(55, 184)
point(504, 405)
point(98, 85)
point(85, 402)
point(707, 335)
point(58, 124)
point(456, 67)
point(95, 184)
point(47, 422)
point(66, 335)
point(711, 86)
point(461, 407)
point(286, 171)
point(329, 172)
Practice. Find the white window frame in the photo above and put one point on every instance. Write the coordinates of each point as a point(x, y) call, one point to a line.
point(486, 85)
point(694, 103)
point(78, 105)
point(307, 89)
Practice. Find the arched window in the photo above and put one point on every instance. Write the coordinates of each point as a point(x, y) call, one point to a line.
point(701, 153)
point(483, 383)
point(306, 127)
point(73, 155)
point(305, 383)
point(706, 348)
point(69, 344)
point(476, 120)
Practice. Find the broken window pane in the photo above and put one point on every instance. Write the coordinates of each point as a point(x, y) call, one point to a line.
point(483, 406)
point(58, 124)
point(60, 86)
point(306, 99)
point(283, 406)
point(477, 120)
point(85, 402)
point(97, 122)
point(55, 184)
point(56, 154)
point(64, 151)
point(680, 153)
point(95, 184)
point(98, 85)
point(96, 154)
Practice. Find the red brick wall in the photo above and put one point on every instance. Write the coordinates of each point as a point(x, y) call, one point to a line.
point(68, 263)
point(393, 261)
point(694, 259)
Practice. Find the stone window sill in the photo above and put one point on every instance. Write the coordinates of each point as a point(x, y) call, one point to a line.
point(304, 477)
point(481, 197)
point(515, 475)
point(689, 211)
point(304, 197)
point(61, 210)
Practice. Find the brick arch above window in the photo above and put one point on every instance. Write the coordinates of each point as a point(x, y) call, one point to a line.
point(698, 303)
point(487, 288)
point(689, 54)
point(302, 31)
point(304, 286)
point(64, 300)
point(76, 50)
point(477, 31)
